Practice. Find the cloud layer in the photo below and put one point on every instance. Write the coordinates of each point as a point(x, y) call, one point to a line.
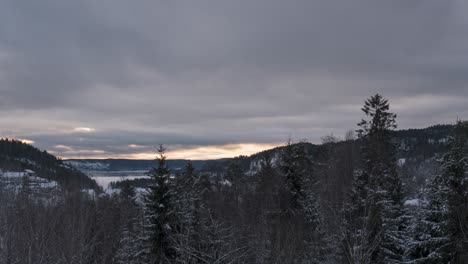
point(112, 78)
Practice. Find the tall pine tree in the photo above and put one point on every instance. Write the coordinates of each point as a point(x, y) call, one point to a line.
point(375, 220)
point(159, 215)
point(430, 239)
point(131, 248)
point(455, 168)
point(442, 236)
point(301, 206)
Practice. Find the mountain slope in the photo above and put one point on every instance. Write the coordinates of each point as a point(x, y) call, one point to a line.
point(18, 156)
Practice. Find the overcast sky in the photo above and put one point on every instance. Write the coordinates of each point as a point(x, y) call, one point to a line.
point(219, 78)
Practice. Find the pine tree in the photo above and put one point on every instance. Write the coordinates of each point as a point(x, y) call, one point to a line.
point(268, 186)
point(127, 193)
point(303, 205)
point(264, 211)
point(318, 246)
point(376, 222)
point(159, 212)
point(185, 196)
point(187, 210)
point(131, 248)
point(430, 240)
point(236, 177)
point(220, 244)
point(455, 168)
point(442, 236)
point(294, 168)
point(200, 216)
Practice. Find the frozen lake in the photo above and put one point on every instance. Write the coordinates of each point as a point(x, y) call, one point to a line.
point(104, 178)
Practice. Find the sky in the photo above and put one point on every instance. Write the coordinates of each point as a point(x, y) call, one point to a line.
point(212, 79)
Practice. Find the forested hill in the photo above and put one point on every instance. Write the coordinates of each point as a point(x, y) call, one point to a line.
point(412, 144)
point(18, 156)
point(425, 142)
point(415, 145)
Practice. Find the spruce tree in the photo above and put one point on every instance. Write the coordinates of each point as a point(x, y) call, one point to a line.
point(131, 247)
point(303, 208)
point(268, 186)
point(375, 222)
point(236, 177)
point(455, 172)
point(265, 210)
point(442, 236)
point(159, 212)
point(184, 198)
point(188, 209)
point(294, 168)
point(317, 240)
point(430, 240)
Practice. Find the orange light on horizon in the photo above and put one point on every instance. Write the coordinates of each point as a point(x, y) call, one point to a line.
point(219, 152)
point(192, 153)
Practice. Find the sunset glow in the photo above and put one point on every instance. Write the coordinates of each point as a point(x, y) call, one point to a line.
point(192, 153)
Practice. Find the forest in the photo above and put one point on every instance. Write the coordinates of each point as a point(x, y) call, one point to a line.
point(352, 201)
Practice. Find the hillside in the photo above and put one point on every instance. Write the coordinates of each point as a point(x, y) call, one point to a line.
point(16, 156)
point(417, 152)
point(412, 143)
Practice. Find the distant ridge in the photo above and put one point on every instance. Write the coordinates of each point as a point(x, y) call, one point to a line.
point(127, 164)
point(412, 142)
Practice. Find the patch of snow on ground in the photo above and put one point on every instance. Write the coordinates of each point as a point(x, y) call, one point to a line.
point(412, 202)
point(13, 174)
point(401, 162)
point(226, 183)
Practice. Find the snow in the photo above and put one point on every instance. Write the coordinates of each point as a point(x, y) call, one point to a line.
point(13, 174)
point(401, 162)
point(17, 175)
point(412, 202)
point(47, 184)
point(89, 192)
point(226, 183)
point(88, 165)
point(104, 181)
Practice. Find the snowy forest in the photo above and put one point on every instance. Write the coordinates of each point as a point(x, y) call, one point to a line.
point(356, 204)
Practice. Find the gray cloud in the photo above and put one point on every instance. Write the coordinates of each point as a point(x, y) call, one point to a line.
point(194, 73)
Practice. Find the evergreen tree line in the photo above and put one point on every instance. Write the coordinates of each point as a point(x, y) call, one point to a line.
point(292, 211)
point(344, 204)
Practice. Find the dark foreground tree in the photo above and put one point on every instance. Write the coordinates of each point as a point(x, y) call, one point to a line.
point(375, 217)
point(301, 237)
point(159, 213)
point(442, 233)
